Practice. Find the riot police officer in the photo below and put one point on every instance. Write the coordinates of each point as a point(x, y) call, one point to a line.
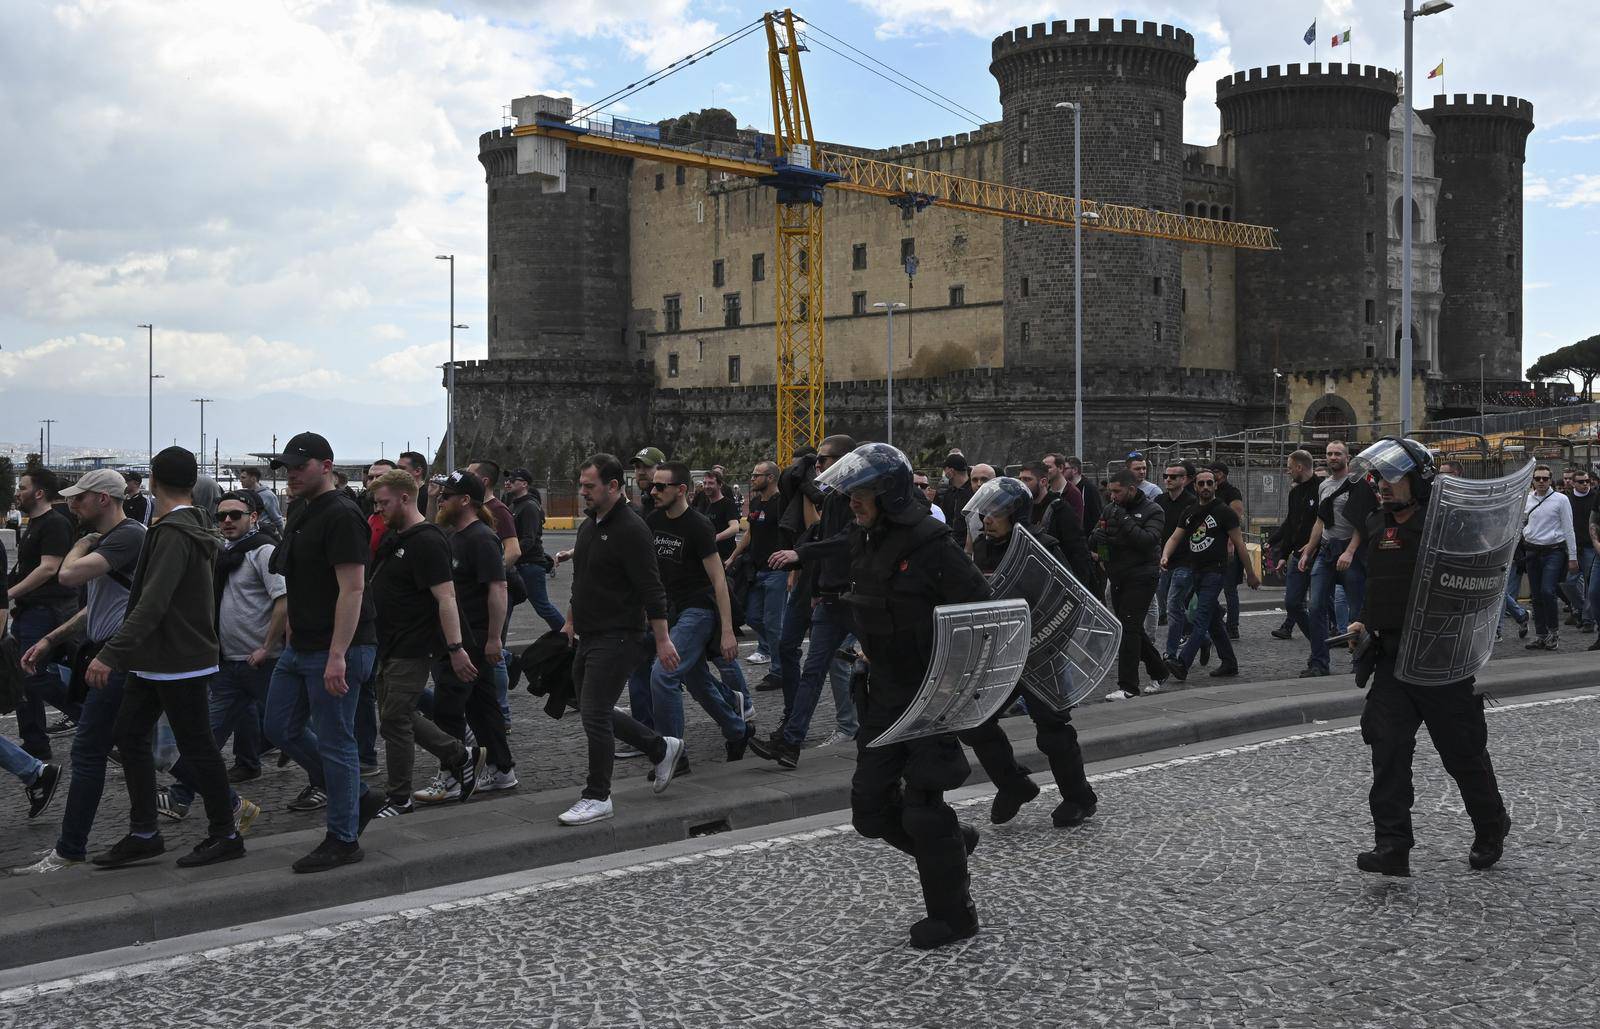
point(1395, 708)
point(999, 508)
point(903, 564)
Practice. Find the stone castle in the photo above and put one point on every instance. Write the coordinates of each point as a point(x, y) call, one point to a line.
point(635, 308)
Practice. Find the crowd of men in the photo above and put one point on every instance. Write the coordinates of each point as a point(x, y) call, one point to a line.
point(161, 623)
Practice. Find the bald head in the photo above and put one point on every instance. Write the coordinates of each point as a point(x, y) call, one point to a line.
point(981, 473)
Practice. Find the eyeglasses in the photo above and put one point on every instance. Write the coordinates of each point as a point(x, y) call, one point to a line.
point(1169, 475)
point(1205, 482)
point(657, 487)
point(1541, 478)
point(229, 516)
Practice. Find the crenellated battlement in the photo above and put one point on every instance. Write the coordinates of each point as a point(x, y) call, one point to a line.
point(1087, 32)
point(1276, 76)
point(989, 133)
point(1482, 105)
point(1351, 97)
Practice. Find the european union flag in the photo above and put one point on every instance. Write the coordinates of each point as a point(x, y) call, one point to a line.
point(1311, 34)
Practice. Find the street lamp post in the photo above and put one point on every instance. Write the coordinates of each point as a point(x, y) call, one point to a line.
point(450, 373)
point(1428, 7)
point(202, 401)
point(1480, 394)
point(47, 422)
point(888, 364)
point(150, 442)
point(1078, 217)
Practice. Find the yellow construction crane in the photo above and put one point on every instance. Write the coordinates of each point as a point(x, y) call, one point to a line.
point(801, 172)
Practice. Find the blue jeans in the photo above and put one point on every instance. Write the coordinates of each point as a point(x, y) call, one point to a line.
point(830, 627)
point(844, 704)
point(30, 624)
point(1512, 608)
point(90, 745)
point(764, 611)
point(318, 730)
point(537, 582)
point(1180, 586)
point(1230, 590)
point(237, 691)
point(1544, 568)
point(1586, 568)
point(696, 628)
point(1324, 575)
point(1592, 595)
point(1295, 586)
point(501, 677)
point(1209, 622)
point(1163, 585)
point(19, 762)
point(367, 719)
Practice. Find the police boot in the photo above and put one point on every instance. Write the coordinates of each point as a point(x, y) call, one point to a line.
point(1386, 859)
point(1489, 844)
point(1069, 813)
point(969, 838)
point(954, 926)
point(1009, 801)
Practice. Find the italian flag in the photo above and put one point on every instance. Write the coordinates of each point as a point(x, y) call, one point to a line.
point(1437, 73)
point(1341, 37)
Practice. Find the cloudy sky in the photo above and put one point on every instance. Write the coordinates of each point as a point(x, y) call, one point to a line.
point(268, 182)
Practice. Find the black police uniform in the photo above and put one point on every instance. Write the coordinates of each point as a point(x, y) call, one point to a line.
point(899, 573)
point(1394, 710)
point(1055, 734)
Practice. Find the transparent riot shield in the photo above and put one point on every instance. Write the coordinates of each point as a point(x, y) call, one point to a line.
point(1460, 582)
point(1075, 636)
point(978, 653)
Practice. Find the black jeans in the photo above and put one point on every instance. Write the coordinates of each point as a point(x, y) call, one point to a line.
point(1454, 717)
point(1130, 602)
point(187, 706)
point(1057, 739)
point(601, 670)
point(457, 704)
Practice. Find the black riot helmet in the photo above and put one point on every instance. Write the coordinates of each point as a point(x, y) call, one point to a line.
point(1396, 457)
point(884, 470)
point(1003, 496)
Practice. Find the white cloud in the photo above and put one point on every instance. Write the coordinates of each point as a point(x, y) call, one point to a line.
point(1581, 190)
point(1592, 137)
point(213, 362)
point(419, 364)
point(388, 331)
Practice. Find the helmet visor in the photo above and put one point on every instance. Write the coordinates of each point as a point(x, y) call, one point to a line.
point(1388, 459)
point(861, 467)
point(994, 497)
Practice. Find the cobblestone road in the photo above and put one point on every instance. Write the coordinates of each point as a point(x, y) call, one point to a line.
point(1210, 890)
point(550, 754)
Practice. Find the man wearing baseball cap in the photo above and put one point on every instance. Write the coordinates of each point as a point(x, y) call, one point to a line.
point(316, 684)
point(644, 474)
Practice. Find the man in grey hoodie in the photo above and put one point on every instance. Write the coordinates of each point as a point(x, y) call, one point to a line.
point(167, 645)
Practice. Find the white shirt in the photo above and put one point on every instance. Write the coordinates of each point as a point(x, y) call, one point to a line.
point(934, 510)
point(1548, 521)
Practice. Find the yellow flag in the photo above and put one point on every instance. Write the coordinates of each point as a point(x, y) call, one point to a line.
point(1438, 72)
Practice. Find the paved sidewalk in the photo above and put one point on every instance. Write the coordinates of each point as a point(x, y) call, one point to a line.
point(81, 911)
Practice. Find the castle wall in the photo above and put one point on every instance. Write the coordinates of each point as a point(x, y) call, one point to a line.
point(1209, 273)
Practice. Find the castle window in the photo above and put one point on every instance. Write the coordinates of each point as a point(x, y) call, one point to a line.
point(1158, 332)
point(672, 312)
point(700, 304)
point(1371, 313)
point(908, 249)
point(1155, 286)
point(958, 296)
point(1369, 141)
point(1227, 214)
point(661, 181)
point(1188, 208)
point(700, 350)
point(494, 262)
point(1511, 322)
point(1024, 121)
point(1155, 117)
point(734, 371)
point(700, 211)
point(594, 194)
point(1371, 247)
point(758, 267)
point(858, 257)
point(1024, 336)
point(858, 302)
point(1024, 285)
point(1369, 183)
point(719, 273)
point(1183, 299)
point(494, 326)
point(494, 194)
point(1024, 152)
point(672, 366)
point(644, 341)
point(1155, 150)
point(678, 178)
point(1511, 261)
point(730, 310)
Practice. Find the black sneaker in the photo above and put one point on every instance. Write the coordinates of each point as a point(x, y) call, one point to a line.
point(1233, 632)
point(1176, 668)
point(1225, 672)
point(788, 755)
point(765, 748)
point(1313, 672)
point(736, 748)
point(1385, 859)
point(469, 771)
point(312, 798)
point(394, 808)
point(61, 727)
point(768, 683)
point(213, 849)
point(1070, 813)
point(1489, 844)
point(330, 853)
point(239, 773)
point(933, 932)
point(43, 790)
point(1280, 633)
point(129, 849)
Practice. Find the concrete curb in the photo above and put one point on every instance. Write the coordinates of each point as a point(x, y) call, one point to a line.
point(74, 913)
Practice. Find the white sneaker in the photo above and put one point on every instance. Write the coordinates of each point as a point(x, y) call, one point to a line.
point(498, 780)
point(758, 658)
point(1152, 687)
point(586, 811)
point(443, 787)
point(624, 751)
point(49, 861)
point(669, 764)
point(837, 738)
point(749, 708)
point(1119, 695)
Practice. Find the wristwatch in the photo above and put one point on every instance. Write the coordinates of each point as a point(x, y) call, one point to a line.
point(455, 647)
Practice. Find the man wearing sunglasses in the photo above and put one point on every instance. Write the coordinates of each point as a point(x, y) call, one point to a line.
point(1547, 540)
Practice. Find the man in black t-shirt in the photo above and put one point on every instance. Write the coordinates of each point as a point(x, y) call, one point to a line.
point(721, 510)
point(332, 645)
point(769, 593)
point(700, 620)
point(39, 603)
point(1172, 609)
point(477, 567)
point(417, 621)
point(1229, 494)
point(533, 565)
point(1208, 526)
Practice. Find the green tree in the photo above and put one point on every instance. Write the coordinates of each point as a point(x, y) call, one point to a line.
point(1580, 360)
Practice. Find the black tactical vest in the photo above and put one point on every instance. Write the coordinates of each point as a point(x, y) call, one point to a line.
point(1392, 551)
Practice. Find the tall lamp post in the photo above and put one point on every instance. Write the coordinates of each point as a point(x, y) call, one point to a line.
point(1428, 7)
point(202, 401)
point(47, 422)
point(1480, 394)
point(1277, 424)
point(450, 373)
point(150, 442)
point(1078, 217)
point(888, 366)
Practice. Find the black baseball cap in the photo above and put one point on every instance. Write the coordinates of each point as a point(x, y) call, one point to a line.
point(464, 484)
point(248, 498)
point(307, 446)
point(520, 473)
point(175, 468)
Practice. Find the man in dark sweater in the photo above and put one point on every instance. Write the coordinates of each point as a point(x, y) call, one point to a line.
point(616, 592)
point(1128, 543)
point(168, 648)
point(1291, 537)
point(533, 566)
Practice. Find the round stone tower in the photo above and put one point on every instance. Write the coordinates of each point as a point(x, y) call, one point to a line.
point(558, 262)
point(1130, 78)
point(1478, 157)
point(1310, 149)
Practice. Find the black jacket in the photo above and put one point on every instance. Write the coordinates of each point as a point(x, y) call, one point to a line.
point(1091, 505)
point(528, 516)
point(547, 662)
point(951, 499)
point(1298, 518)
point(825, 550)
point(1062, 524)
point(616, 584)
point(1133, 538)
